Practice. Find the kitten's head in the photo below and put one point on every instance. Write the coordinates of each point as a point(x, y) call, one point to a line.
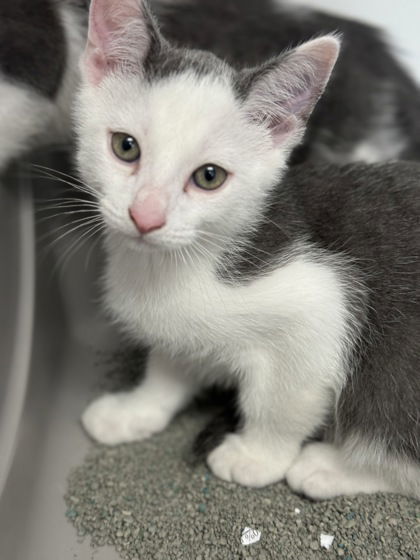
point(178, 145)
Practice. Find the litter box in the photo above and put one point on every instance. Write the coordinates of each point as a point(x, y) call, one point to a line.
point(51, 331)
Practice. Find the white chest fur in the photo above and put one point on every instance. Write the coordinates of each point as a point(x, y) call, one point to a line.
point(188, 310)
point(169, 302)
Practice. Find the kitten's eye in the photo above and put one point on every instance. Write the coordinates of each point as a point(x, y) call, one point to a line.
point(209, 177)
point(125, 147)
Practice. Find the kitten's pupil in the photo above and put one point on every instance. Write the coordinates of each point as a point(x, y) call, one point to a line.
point(128, 143)
point(210, 173)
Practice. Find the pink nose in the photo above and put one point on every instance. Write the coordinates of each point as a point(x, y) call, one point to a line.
point(148, 214)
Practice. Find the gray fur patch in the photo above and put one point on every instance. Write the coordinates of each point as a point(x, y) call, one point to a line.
point(170, 61)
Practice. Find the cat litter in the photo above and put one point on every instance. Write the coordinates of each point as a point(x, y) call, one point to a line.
point(163, 490)
point(250, 536)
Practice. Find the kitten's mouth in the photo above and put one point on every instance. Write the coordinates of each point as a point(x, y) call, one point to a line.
point(138, 243)
point(142, 242)
point(150, 243)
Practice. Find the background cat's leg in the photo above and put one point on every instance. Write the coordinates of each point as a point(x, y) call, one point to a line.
point(281, 404)
point(135, 415)
point(40, 47)
point(24, 116)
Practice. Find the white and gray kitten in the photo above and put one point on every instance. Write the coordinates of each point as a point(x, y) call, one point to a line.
point(299, 287)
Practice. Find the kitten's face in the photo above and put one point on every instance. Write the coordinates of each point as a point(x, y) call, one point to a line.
point(189, 165)
point(173, 153)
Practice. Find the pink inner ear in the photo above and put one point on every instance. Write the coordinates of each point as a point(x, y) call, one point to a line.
point(300, 100)
point(281, 130)
point(110, 18)
point(98, 28)
point(95, 63)
point(117, 34)
point(285, 95)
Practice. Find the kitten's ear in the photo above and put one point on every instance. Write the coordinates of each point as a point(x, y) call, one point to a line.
point(121, 34)
point(282, 93)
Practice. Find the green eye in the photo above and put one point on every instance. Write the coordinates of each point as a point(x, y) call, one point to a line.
point(209, 177)
point(125, 147)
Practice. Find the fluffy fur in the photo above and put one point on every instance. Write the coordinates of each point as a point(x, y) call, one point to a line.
point(299, 288)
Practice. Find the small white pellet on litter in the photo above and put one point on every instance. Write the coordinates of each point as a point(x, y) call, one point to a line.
point(250, 536)
point(297, 510)
point(326, 541)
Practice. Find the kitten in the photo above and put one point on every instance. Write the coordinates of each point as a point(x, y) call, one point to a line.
point(299, 287)
point(371, 112)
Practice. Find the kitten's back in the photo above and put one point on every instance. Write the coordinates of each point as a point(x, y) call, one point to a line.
point(373, 214)
point(366, 219)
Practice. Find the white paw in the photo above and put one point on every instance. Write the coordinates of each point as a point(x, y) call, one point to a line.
point(321, 472)
point(247, 463)
point(122, 417)
point(318, 472)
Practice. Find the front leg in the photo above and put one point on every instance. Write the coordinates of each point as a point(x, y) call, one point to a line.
point(137, 414)
point(281, 405)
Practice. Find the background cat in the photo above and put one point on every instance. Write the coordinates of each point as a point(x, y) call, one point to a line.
point(302, 289)
point(40, 45)
point(370, 112)
point(371, 109)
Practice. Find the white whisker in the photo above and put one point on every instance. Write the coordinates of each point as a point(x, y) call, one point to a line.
point(76, 245)
point(81, 211)
point(83, 220)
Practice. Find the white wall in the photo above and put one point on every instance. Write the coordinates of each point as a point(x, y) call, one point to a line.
point(400, 18)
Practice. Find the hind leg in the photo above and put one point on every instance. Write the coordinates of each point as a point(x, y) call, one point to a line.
point(322, 471)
